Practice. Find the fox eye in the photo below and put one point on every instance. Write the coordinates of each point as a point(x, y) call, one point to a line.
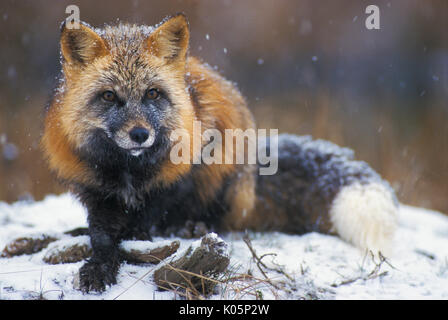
point(108, 96)
point(152, 94)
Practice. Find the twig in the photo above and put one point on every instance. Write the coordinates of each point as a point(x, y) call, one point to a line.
point(375, 273)
point(260, 264)
point(139, 279)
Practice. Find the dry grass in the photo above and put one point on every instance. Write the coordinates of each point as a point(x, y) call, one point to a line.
point(378, 261)
point(231, 284)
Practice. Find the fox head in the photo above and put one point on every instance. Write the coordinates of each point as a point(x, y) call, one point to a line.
point(126, 93)
point(126, 82)
point(122, 92)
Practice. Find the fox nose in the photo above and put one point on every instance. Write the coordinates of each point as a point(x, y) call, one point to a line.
point(139, 134)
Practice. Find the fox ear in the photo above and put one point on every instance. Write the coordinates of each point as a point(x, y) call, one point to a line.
point(82, 45)
point(170, 40)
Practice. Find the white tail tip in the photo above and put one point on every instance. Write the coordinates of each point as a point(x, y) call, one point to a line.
point(365, 215)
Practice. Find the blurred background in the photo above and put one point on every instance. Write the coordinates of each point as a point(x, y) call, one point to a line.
point(305, 67)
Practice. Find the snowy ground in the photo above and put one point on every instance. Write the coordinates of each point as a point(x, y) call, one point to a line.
point(314, 265)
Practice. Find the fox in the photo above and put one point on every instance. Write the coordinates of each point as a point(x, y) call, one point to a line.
point(124, 89)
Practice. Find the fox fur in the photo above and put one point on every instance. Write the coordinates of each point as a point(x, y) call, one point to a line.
point(134, 191)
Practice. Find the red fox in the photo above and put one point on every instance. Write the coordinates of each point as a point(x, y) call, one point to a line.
point(124, 90)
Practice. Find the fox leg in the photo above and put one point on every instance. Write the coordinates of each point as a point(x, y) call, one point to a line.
point(320, 187)
point(106, 224)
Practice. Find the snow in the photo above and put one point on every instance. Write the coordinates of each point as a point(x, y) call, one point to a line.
point(10, 151)
point(129, 245)
point(308, 266)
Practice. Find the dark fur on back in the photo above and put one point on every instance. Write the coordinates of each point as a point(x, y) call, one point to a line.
point(315, 171)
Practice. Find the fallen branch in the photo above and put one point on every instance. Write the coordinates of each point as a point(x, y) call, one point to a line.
point(197, 269)
point(153, 256)
point(78, 251)
point(26, 245)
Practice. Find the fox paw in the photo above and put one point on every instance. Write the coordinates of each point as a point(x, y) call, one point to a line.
point(192, 230)
point(94, 276)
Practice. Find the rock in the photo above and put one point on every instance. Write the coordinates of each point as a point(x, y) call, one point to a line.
point(200, 262)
